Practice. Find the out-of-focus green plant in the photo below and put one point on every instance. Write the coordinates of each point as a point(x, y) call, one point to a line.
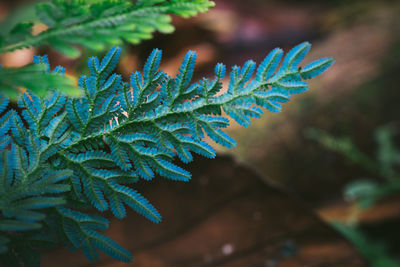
point(37, 79)
point(90, 24)
point(374, 253)
point(367, 191)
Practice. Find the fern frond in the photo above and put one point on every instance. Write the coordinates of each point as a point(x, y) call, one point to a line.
point(71, 154)
point(145, 140)
point(98, 24)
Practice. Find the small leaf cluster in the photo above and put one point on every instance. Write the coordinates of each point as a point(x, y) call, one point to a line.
point(63, 156)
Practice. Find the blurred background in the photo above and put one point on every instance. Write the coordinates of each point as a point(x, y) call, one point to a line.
point(334, 148)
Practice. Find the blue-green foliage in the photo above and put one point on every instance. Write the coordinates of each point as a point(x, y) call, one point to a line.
point(64, 155)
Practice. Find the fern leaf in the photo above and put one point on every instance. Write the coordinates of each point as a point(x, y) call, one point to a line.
point(169, 170)
point(81, 231)
point(14, 225)
point(269, 65)
point(316, 68)
point(36, 79)
point(137, 202)
point(185, 73)
point(295, 56)
point(3, 102)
